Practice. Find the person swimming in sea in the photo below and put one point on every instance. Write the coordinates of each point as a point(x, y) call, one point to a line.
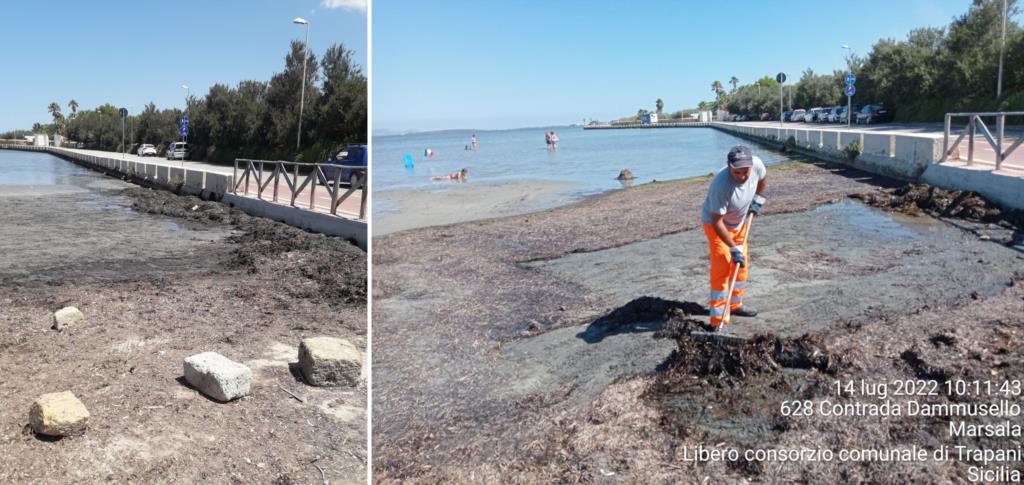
point(461, 175)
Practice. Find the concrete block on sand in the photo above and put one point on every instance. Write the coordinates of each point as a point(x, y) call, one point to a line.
point(329, 361)
point(217, 376)
point(58, 414)
point(67, 317)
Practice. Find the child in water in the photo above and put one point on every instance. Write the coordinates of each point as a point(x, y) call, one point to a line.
point(460, 175)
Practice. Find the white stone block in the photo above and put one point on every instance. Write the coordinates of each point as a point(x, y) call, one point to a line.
point(217, 376)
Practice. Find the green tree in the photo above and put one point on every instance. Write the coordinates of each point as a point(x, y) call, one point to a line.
point(659, 105)
point(734, 81)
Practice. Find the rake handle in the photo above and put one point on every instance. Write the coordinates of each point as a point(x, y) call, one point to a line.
point(735, 274)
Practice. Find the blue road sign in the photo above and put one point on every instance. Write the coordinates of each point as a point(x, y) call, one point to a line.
point(184, 119)
point(850, 79)
point(849, 90)
point(184, 131)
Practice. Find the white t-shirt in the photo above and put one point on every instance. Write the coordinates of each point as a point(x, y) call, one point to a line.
point(730, 199)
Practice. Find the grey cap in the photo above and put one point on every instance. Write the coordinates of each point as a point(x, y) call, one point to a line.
point(740, 157)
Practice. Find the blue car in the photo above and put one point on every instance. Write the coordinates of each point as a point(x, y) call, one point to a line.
point(350, 160)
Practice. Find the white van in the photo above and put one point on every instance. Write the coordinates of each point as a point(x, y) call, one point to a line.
point(178, 150)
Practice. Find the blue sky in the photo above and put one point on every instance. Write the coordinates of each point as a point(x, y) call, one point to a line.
point(132, 52)
point(486, 65)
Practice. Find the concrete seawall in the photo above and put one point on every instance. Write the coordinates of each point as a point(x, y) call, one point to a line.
point(910, 157)
point(207, 184)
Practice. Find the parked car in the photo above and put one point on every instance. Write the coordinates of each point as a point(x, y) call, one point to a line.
point(786, 115)
point(147, 150)
point(179, 150)
point(822, 115)
point(833, 114)
point(349, 161)
point(874, 113)
point(845, 114)
point(766, 116)
point(812, 115)
point(798, 115)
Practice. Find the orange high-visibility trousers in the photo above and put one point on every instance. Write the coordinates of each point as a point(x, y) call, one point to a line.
point(721, 271)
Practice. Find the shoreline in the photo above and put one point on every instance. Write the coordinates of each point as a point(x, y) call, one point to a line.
point(452, 203)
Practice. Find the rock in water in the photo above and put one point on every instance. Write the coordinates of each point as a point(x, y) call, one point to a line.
point(67, 317)
point(329, 361)
point(58, 414)
point(217, 376)
point(625, 174)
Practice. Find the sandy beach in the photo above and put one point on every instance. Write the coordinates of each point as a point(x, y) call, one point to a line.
point(453, 202)
point(552, 346)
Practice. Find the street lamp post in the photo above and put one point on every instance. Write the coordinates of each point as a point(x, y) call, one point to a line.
point(1002, 47)
point(184, 137)
point(849, 99)
point(302, 97)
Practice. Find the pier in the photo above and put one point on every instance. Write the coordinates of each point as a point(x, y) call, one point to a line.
point(671, 124)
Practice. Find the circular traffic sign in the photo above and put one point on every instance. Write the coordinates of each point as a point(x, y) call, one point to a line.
point(781, 78)
point(850, 90)
point(123, 112)
point(850, 79)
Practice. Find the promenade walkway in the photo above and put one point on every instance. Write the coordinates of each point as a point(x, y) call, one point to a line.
point(912, 152)
point(348, 209)
point(984, 155)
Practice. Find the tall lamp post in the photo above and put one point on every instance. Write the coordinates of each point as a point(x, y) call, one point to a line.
point(1002, 47)
point(184, 138)
point(849, 99)
point(302, 97)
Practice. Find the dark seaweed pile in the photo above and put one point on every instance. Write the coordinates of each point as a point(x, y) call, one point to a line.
point(915, 199)
point(335, 264)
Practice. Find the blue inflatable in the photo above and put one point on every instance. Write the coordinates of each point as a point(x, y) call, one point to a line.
point(408, 161)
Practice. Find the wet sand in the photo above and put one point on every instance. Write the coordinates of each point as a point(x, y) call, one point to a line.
point(453, 202)
point(500, 367)
point(161, 277)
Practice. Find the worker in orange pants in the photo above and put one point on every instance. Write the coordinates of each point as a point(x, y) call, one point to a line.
point(735, 191)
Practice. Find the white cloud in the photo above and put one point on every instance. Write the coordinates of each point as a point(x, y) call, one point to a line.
point(359, 5)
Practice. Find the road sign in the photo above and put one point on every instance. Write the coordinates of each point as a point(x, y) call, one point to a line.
point(781, 77)
point(849, 90)
point(183, 121)
point(123, 112)
point(850, 79)
point(184, 131)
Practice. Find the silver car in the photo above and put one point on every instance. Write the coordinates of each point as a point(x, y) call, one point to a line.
point(833, 114)
point(178, 150)
point(812, 115)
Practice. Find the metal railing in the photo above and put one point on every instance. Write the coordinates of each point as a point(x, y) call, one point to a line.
point(974, 121)
point(298, 177)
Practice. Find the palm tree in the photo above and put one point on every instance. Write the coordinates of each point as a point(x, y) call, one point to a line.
point(717, 87)
point(58, 118)
point(734, 82)
point(54, 109)
point(659, 104)
point(73, 106)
